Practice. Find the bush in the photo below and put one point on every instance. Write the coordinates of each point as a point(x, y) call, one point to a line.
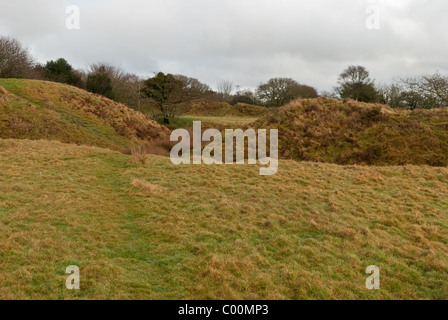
point(100, 83)
point(15, 61)
point(61, 71)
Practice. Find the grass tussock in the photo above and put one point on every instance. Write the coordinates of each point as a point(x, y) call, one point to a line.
point(159, 146)
point(145, 188)
point(45, 110)
point(308, 232)
point(349, 132)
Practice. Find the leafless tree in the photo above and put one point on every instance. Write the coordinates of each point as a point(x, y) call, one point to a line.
point(279, 91)
point(432, 86)
point(225, 89)
point(126, 87)
point(194, 87)
point(15, 60)
point(355, 83)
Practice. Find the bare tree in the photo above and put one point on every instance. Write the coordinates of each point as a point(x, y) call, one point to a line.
point(355, 83)
point(392, 95)
point(194, 87)
point(15, 60)
point(125, 86)
point(245, 96)
point(225, 89)
point(328, 94)
point(279, 91)
point(433, 87)
point(425, 92)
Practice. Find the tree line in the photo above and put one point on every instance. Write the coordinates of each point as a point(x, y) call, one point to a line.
point(166, 95)
point(423, 92)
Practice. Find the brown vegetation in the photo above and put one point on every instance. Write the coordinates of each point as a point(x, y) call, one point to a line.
point(220, 109)
point(349, 132)
point(161, 231)
point(47, 110)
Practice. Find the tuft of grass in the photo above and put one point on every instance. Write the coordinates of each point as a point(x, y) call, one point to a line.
point(161, 231)
point(139, 154)
point(159, 146)
point(146, 188)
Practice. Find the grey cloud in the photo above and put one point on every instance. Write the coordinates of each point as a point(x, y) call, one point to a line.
point(246, 41)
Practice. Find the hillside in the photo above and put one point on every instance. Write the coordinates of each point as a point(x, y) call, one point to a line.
point(348, 132)
point(32, 109)
point(158, 231)
point(221, 109)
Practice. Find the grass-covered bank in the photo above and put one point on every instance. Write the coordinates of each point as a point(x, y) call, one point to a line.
point(31, 109)
point(158, 231)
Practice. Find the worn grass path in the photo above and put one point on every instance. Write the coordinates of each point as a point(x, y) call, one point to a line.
point(158, 231)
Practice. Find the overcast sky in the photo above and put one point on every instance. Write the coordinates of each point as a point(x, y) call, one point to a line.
point(246, 41)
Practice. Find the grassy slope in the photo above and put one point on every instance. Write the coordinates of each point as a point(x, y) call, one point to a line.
point(220, 123)
point(220, 109)
point(46, 110)
point(219, 115)
point(328, 130)
point(160, 231)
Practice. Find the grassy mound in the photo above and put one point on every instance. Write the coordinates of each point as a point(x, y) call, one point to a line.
point(348, 132)
point(47, 110)
point(158, 231)
point(222, 109)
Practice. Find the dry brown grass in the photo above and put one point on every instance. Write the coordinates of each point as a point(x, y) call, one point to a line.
point(223, 109)
point(159, 146)
point(3, 91)
point(161, 231)
point(348, 132)
point(139, 154)
point(145, 188)
point(48, 110)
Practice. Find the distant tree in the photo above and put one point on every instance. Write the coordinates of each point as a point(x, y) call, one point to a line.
point(399, 95)
point(193, 87)
point(392, 95)
point(305, 92)
point(61, 71)
point(432, 87)
point(328, 94)
point(413, 100)
point(15, 60)
point(355, 83)
point(225, 90)
point(168, 93)
point(125, 86)
point(113, 71)
point(100, 82)
point(279, 91)
point(245, 96)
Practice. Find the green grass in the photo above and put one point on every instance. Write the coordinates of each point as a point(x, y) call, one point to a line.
point(47, 110)
point(141, 228)
point(159, 231)
point(221, 123)
point(222, 109)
